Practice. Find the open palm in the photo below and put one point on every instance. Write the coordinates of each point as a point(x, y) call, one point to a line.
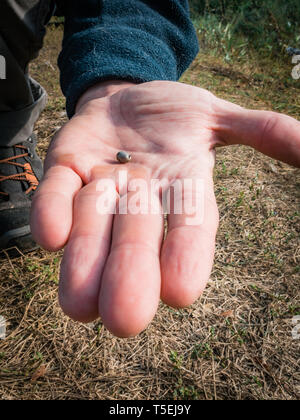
point(118, 266)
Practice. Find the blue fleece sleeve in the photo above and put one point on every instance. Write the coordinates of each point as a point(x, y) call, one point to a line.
point(133, 40)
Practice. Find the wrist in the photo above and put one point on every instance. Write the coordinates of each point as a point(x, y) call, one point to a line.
point(102, 90)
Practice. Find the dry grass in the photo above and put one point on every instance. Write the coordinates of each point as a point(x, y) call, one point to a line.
point(235, 342)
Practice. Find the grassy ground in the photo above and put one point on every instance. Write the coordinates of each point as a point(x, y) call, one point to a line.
point(236, 341)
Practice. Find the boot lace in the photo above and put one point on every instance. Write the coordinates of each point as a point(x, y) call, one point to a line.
point(27, 176)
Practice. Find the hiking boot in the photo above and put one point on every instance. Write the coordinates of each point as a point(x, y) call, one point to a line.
point(20, 173)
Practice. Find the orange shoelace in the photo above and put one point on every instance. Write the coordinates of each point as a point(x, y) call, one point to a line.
point(26, 176)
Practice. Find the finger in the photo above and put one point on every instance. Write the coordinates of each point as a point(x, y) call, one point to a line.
point(86, 253)
point(275, 135)
point(188, 251)
point(130, 290)
point(52, 207)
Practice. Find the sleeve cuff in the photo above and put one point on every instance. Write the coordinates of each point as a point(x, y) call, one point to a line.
point(132, 55)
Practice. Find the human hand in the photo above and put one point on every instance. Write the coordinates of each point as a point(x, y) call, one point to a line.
point(118, 266)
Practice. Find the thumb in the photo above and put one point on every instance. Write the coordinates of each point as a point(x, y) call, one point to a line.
point(275, 135)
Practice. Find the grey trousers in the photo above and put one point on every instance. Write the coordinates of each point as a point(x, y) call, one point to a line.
point(22, 29)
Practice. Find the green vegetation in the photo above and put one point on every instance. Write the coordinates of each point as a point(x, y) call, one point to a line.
point(234, 26)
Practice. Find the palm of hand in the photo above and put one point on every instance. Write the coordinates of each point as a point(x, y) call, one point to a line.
point(153, 121)
point(114, 265)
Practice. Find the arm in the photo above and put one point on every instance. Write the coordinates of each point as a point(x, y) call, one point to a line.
point(133, 40)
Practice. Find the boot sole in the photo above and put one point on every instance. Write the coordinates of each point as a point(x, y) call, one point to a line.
point(17, 239)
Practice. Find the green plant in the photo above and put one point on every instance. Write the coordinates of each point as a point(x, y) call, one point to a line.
point(233, 26)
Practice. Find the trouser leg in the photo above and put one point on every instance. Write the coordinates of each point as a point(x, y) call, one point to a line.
point(22, 29)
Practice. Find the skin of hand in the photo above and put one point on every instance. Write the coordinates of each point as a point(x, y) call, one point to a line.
point(118, 266)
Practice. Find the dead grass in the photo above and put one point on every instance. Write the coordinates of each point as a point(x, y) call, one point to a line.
point(234, 343)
